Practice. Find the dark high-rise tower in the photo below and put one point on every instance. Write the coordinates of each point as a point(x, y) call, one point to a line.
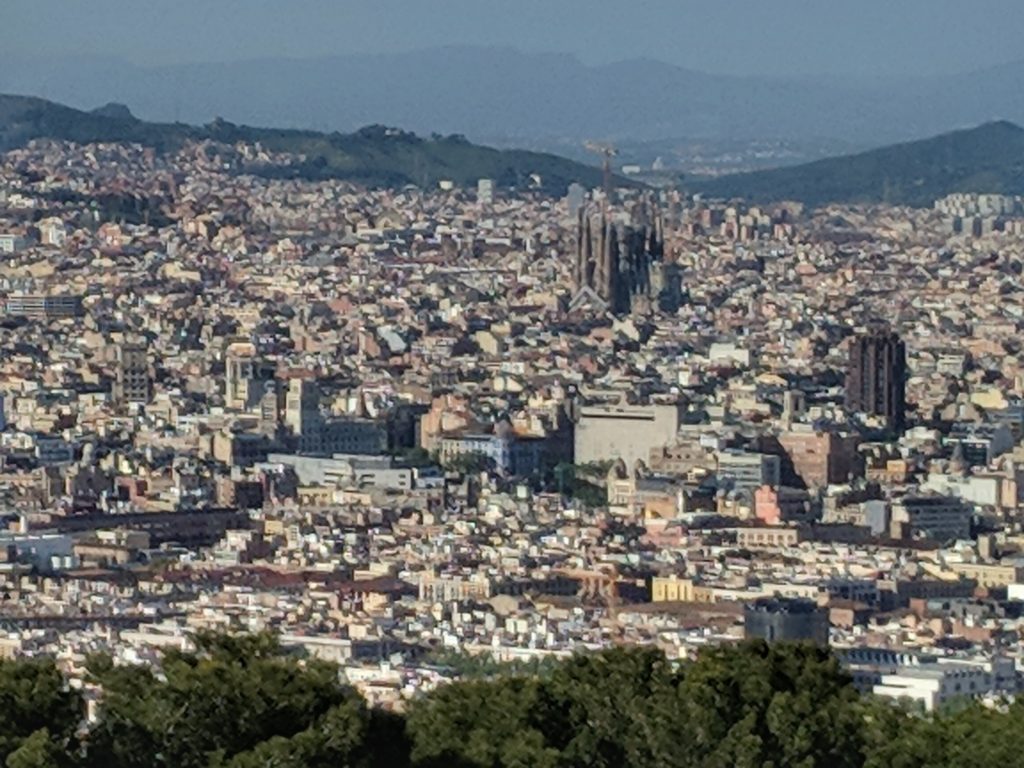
point(133, 384)
point(876, 377)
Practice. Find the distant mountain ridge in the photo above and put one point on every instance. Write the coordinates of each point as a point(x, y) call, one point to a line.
point(374, 155)
point(989, 158)
point(490, 93)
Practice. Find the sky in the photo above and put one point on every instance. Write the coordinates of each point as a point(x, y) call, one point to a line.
point(775, 37)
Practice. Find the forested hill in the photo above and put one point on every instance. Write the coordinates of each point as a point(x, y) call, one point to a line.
point(241, 702)
point(375, 156)
point(989, 158)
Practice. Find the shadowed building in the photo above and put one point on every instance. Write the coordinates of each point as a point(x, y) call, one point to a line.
point(785, 619)
point(876, 377)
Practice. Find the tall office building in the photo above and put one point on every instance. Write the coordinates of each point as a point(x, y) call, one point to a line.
point(485, 191)
point(876, 377)
point(133, 384)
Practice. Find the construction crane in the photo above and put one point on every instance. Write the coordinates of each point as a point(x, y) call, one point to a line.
point(607, 152)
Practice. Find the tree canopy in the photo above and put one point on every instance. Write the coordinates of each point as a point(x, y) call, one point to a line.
point(237, 702)
point(243, 702)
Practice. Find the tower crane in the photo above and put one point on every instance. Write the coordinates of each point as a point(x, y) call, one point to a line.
point(607, 152)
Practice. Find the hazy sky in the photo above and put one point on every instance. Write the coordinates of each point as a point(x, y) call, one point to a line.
point(734, 36)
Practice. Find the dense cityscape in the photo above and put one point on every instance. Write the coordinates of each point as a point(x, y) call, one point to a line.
point(531, 385)
point(403, 428)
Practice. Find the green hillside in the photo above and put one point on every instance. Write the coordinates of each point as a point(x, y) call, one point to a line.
point(375, 156)
point(989, 158)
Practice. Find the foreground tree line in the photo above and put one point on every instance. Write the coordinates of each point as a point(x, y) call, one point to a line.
point(240, 702)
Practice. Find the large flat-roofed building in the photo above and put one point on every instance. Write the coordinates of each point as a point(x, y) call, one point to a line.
point(626, 432)
point(43, 306)
point(347, 471)
point(940, 518)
